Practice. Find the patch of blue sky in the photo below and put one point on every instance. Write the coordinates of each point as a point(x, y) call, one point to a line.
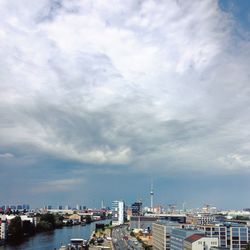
point(239, 9)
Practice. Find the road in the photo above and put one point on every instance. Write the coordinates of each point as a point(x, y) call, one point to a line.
point(122, 239)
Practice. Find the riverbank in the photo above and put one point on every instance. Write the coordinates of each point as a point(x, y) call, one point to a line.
point(55, 238)
point(101, 239)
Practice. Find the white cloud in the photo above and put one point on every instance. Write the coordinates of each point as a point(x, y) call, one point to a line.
point(6, 155)
point(142, 83)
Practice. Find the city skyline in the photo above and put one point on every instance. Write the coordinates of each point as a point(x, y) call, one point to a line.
point(98, 98)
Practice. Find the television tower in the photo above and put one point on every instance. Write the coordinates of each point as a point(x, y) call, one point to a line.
point(152, 197)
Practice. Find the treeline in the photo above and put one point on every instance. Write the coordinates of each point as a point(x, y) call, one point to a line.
point(48, 222)
point(241, 217)
point(19, 229)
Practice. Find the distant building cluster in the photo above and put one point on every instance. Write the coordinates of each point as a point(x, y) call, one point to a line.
point(166, 228)
point(69, 216)
point(4, 208)
point(66, 207)
point(158, 227)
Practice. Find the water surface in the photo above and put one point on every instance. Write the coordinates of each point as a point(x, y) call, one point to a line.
point(53, 240)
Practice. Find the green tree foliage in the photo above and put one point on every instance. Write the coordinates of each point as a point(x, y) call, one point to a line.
point(58, 221)
point(28, 228)
point(88, 219)
point(47, 222)
point(241, 217)
point(248, 246)
point(15, 230)
point(49, 218)
point(43, 226)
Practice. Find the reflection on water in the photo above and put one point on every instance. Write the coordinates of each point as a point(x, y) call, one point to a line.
point(53, 240)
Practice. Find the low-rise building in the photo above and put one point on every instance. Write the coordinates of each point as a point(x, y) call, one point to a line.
point(142, 222)
point(199, 242)
point(178, 236)
point(75, 218)
point(232, 235)
point(204, 219)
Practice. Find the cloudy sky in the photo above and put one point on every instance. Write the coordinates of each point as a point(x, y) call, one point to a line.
point(99, 97)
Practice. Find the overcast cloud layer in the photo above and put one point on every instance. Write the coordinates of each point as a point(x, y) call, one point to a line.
point(120, 88)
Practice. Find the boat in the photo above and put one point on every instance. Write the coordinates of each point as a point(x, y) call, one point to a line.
point(78, 244)
point(75, 244)
point(63, 248)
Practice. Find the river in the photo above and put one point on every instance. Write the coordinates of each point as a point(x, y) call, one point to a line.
point(53, 240)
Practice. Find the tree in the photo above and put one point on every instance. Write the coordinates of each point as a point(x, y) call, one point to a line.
point(47, 222)
point(28, 228)
point(44, 226)
point(88, 219)
point(248, 246)
point(15, 229)
point(58, 221)
point(49, 218)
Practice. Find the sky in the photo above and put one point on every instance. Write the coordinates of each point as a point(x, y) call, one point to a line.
point(99, 98)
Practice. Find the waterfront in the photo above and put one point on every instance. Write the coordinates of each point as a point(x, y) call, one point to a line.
point(53, 240)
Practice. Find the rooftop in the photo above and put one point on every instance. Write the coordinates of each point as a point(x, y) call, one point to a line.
point(194, 237)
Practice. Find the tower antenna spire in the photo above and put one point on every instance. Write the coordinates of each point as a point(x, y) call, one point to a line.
point(152, 196)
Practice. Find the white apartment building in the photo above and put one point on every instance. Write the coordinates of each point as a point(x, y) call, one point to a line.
point(3, 229)
point(118, 212)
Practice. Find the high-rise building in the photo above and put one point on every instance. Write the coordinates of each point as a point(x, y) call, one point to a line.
point(118, 212)
point(13, 207)
point(67, 207)
point(26, 206)
point(102, 204)
point(19, 207)
point(136, 208)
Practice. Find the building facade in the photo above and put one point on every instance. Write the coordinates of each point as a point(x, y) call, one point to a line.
point(142, 222)
point(3, 229)
point(118, 212)
point(178, 236)
point(233, 236)
point(136, 208)
point(199, 242)
point(161, 234)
